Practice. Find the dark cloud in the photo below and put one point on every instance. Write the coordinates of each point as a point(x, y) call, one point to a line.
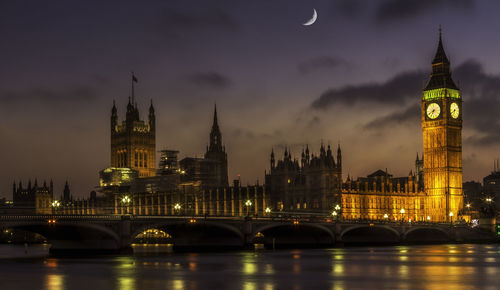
point(210, 80)
point(395, 10)
point(397, 90)
point(321, 63)
point(480, 92)
point(410, 115)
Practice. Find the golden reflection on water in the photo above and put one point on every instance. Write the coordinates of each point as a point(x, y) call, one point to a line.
point(178, 284)
point(125, 273)
point(54, 282)
point(249, 265)
point(269, 269)
point(446, 267)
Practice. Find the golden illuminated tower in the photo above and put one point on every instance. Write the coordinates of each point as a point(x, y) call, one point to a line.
point(442, 136)
point(133, 141)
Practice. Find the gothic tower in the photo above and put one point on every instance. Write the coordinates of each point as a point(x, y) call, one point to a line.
point(216, 152)
point(133, 141)
point(442, 136)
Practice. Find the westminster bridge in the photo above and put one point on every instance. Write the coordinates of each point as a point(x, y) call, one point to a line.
point(116, 233)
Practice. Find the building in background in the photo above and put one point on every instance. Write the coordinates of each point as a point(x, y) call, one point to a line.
point(211, 171)
point(33, 198)
point(313, 184)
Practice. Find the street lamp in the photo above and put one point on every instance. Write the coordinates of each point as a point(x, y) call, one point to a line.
point(268, 210)
point(386, 216)
point(125, 201)
point(334, 213)
point(248, 204)
point(177, 208)
point(402, 211)
point(337, 207)
point(56, 204)
point(428, 218)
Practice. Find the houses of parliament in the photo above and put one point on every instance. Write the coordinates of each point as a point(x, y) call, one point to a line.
point(312, 183)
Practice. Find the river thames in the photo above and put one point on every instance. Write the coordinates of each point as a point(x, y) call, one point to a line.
point(464, 266)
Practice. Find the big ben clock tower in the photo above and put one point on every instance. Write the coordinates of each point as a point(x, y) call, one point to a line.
point(442, 136)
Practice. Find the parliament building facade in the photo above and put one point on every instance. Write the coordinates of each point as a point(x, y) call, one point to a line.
point(312, 184)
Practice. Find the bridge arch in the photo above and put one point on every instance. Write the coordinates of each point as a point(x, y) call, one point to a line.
point(197, 234)
point(374, 234)
point(71, 235)
point(426, 234)
point(286, 234)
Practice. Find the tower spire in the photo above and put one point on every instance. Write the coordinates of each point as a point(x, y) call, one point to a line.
point(441, 75)
point(215, 135)
point(215, 124)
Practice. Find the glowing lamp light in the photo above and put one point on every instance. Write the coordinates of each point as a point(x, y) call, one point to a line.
point(268, 210)
point(248, 203)
point(56, 204)
point(402, 210)
point(451, 214)
point(386, 216)
point(126, 199)
point(428, 218)
point(334, 213)
point(468, 205)
point(337, 207)
point(177, 206)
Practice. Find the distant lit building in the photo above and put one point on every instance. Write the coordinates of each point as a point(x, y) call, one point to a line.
point(313, 184)
point(33, 198)
point(112, 176)
point(491, 186)
point(211, 171)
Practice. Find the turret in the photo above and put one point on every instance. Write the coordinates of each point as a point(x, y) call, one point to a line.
point(114, 117)
point(307, 154)
point(14, 187)
point(66, 192)
point(272, 158)
point(152, 122)
point(339, 158)
point(303, 156)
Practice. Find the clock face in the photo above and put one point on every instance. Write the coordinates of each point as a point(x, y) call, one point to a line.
point(454, 110)
point(433, 111)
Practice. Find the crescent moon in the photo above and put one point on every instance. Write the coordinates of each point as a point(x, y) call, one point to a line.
point(313, 19)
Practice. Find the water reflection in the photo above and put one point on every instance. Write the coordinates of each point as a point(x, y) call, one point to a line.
point(437, 266)
point(125, 273)
point(54, 282)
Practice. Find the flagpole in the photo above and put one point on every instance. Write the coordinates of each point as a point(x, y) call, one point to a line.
point(133, 94)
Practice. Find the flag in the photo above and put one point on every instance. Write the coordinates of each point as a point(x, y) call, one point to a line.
point(134, 79)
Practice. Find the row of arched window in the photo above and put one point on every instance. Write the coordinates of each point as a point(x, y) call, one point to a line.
point(140, 159)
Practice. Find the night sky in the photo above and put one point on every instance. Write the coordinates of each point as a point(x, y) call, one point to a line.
point(354, 77)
